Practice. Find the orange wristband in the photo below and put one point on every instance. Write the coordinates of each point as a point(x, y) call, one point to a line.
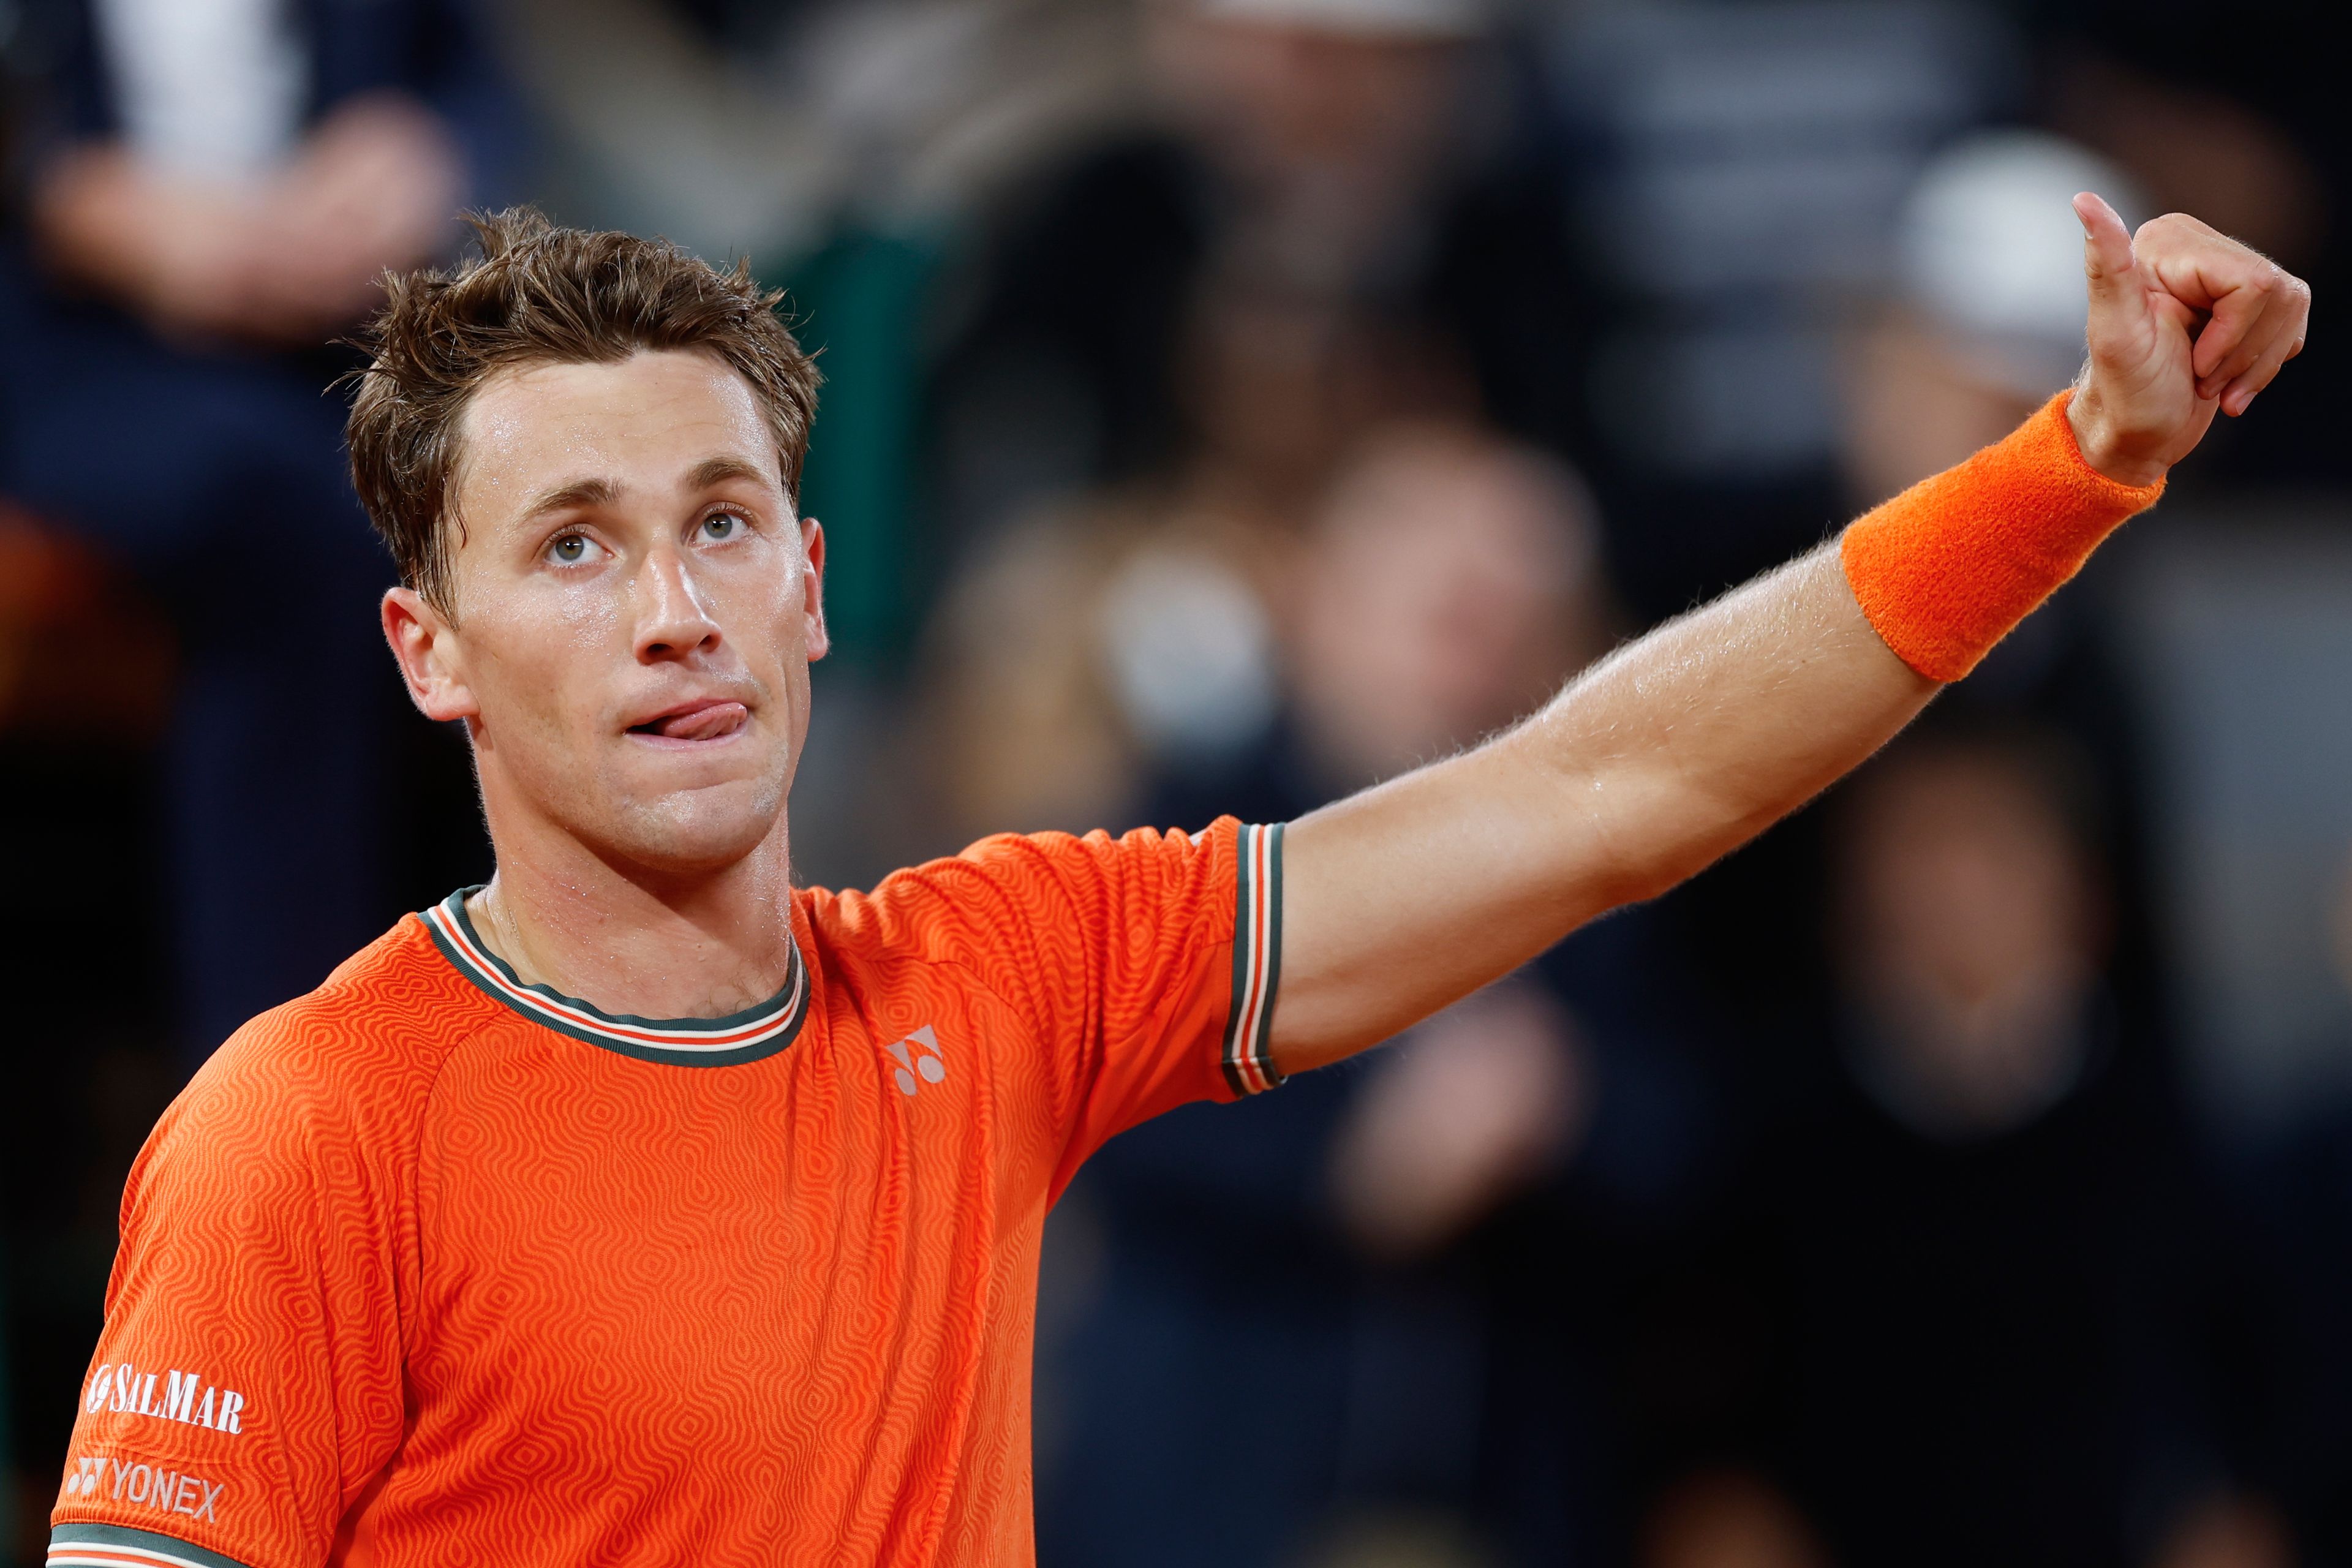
point(1948, 568)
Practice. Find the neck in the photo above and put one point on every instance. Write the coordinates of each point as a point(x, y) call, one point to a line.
point(628, 940)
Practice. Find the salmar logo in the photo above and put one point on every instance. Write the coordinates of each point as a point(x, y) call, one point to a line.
point(919, 1058)
point(123, 1390)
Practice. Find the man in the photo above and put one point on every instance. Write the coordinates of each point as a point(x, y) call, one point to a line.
point(1297, 240)
point(642, 1206)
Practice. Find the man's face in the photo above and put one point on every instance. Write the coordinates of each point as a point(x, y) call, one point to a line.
point(636, 609)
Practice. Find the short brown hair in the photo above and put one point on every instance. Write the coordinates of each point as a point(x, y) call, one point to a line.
point(540, 294)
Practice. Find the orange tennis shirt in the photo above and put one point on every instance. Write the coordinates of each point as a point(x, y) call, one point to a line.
point(433, 1267)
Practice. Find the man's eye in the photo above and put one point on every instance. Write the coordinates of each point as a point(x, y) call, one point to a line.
point(722, 525)
point(570, 549)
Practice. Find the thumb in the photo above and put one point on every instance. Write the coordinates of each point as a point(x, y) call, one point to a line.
point(2118, 298)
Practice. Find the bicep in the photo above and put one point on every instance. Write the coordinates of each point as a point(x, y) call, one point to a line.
point(1666, 755)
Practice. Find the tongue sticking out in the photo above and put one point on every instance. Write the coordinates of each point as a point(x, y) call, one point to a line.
point(703, 724)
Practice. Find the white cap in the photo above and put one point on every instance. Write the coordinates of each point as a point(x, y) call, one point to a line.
point(1368, 18)
point(1989, 247)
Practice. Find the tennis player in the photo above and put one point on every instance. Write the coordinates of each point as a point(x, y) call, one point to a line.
point(641, 1206)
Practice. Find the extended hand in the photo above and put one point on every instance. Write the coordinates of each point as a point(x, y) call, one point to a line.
point(2184, 321)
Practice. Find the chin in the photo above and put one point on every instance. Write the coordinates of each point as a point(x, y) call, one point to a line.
point(690, 831)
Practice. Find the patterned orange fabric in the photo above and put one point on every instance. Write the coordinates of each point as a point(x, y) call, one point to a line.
point(1948, 568)
point(431, 1266)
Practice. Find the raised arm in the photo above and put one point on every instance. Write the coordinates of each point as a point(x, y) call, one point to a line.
point(1682, 745)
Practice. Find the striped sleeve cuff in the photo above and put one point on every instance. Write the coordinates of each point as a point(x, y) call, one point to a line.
point(1258, 961)
point(116, 1546)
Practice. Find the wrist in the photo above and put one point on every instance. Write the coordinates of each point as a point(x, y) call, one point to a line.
point(2103, 445)
point(1944, 570)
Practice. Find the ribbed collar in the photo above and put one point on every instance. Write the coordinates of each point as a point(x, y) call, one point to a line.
point(745, 1036)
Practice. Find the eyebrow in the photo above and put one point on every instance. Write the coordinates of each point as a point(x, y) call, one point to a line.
point(718, 470)
point(603, 492)
point(578, 494)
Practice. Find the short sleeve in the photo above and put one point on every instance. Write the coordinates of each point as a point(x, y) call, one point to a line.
point(1144, 967)
point(247, 1383)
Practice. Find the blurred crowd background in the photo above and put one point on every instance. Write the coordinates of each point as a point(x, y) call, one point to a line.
point(1231, 403)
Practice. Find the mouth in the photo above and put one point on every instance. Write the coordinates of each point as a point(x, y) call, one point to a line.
point(703, 719)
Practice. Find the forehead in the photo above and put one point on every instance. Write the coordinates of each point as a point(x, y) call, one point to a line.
point(643, 421)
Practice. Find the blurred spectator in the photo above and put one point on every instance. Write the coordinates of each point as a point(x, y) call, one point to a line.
point(1970, 932)
point(1450, 585)
point(1329, 213)
point(1315, 1289)
point(1975, 1262)
point(212, 195)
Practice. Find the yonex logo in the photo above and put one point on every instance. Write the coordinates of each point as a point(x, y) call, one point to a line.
point(919, 1055)
point(148, 1486)
point(87, 1474)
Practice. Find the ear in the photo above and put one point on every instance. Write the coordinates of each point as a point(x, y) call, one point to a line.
point(813, 590)
point(426, 647)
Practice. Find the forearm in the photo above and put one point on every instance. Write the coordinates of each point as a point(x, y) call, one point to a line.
point(1662, 758)
point(1682, 746)
point(1689, 742)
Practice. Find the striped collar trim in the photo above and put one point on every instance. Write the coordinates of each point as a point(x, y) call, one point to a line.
point(745, 1036)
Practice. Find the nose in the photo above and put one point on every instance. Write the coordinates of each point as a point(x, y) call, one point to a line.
point(673, 621)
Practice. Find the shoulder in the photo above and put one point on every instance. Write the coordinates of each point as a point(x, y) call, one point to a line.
point(946, 909)
point(1008, 894)
point(351, 1063)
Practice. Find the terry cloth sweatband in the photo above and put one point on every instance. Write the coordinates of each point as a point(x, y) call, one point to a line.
point(1948, 568)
